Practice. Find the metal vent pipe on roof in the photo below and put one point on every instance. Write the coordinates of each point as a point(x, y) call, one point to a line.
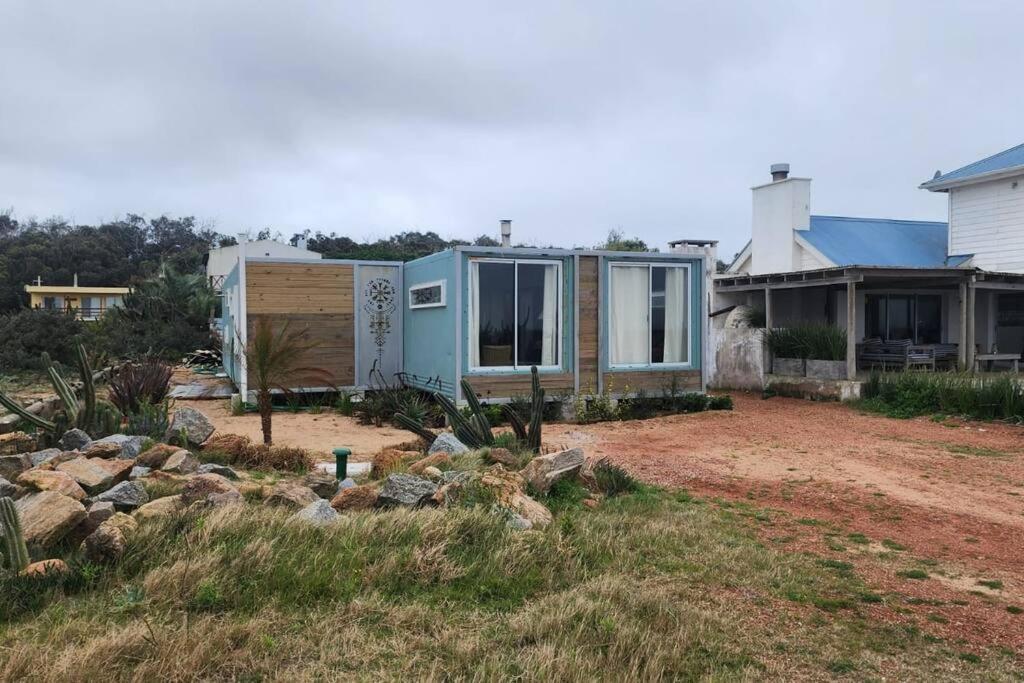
point(780, 172)
point(506, 232)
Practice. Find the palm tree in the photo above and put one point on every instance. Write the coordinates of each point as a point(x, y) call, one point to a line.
point(274, 360)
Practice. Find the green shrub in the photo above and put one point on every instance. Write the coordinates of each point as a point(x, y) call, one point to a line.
point(722, 402)
point(29, 333)
point(344, 405)
point(910, 394)
point(811, 342)
point(613, 480)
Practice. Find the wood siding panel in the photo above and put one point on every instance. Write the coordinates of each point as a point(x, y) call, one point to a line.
point(987, 220)
point(317, 298)
point(651, 382)
point(588, 336)
point(507, 386)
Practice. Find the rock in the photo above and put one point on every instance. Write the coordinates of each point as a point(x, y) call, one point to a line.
point(54, 567)
point(586, 473)
point(7, 489)
point(180, 462)
point(96, 514)
point(201, 486)
point(161, 507)
point(346, 483)
point(227, 498)
point(138, 472)
point(504, 456)
point(126, 496)
point(119, 469)
point(355, 498)
point(125, 523)
point(388, 460)
point(323, 484)
point(13, 465)
point(38, 458)
point(214, 468)
point(590, 503)
point(447, 442)
point(90, 476)
point(544, 470)
point(433, 460)
point(432, 473)
point(196, 427)
point(156, 456)
point(519, 523)
point(131, 446)
point(17, 442)
point(508, 490)
point(52, 480)
point(48, 516)
point(106, 545)
point(100, 449)
point(405, 490)
point(292, 495)
point(75, 440)
point(319, 513)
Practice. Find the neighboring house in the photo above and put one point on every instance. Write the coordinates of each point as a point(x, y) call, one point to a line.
point(221, 260)
point(952, 289)
point(89, 303)
point(591, 321)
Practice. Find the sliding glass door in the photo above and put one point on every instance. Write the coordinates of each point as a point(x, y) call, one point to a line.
point(649, 315)
point(894, 317)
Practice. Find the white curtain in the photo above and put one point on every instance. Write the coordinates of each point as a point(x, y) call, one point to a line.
point(474, 314)
point(549, 320)
point(675, 316)
point(630, 307)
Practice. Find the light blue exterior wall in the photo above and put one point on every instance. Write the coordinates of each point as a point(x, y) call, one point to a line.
point(429, 333)
point(568, 307)
point(696, 310)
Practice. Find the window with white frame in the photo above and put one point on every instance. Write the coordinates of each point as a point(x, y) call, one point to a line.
point(427, 295)
point(649, 314)
point(514, 313)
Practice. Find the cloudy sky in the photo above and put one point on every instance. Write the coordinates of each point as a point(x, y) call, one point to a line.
point(572, 118)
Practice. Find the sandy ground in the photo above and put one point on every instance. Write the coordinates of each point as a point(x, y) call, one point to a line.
point(317, 433)
point(948, 495)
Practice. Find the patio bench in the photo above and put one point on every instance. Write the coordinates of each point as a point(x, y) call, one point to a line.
point(898, 353)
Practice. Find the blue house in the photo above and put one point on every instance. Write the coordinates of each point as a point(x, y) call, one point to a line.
point(591, 321)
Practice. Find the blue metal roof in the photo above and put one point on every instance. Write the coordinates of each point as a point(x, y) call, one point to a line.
point(878, 241)
point(1003, 161)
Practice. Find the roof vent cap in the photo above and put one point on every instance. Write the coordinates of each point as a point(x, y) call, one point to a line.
point(779, 172)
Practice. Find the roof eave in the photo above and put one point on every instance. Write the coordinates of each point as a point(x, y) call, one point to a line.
point(940, 185)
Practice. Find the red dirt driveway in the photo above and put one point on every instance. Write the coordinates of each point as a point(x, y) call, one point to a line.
point(946, 495)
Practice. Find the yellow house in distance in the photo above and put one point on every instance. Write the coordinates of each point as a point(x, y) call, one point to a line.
point(89, 303)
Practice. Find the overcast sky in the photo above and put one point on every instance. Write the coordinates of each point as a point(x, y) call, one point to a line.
point(571, 118)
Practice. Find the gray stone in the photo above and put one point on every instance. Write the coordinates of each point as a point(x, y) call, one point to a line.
point(126, 496)
point(96, 514)
point(214, 468)
point(405, 489)
point(456, 476)
point(346, 483)
point(39, 457)
point(75, 440)
point(519, 523)
point(195, 425)
point(319, 513)
point(131, 446)
point(13, 465)
point(138, 472)
point(447, 442)
point(7, 489)
point(544, 470)
point(180, 462)
point(323, 484)
point(291, 494)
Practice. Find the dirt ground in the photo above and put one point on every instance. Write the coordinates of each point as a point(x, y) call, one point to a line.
point(318, 433)
point(945, 498)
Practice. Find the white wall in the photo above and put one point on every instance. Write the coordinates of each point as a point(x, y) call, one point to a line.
point(779, 208)
point(223, 259)
point(987, 220)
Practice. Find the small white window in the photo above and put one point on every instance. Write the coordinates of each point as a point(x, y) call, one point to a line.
point(427, 295)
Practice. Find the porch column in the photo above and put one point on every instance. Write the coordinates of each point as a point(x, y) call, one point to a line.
point(768, 308)
point(971, 299)
point(962, 345)
point(851, 330)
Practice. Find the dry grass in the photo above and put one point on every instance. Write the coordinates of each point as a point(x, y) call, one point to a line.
point(238, 450)
point(649, 586)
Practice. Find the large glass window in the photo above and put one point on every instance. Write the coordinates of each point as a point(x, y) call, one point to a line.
point(514, 313)
point(649, 314)
point(893, 317)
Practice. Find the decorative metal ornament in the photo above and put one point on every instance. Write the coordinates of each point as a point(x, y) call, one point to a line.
point(379, 295)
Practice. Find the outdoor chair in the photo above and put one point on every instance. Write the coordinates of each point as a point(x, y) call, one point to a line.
point(897, 353)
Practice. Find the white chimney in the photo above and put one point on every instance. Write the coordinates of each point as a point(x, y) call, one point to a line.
point(506, 233)
point(76, 279)
point(779, 208)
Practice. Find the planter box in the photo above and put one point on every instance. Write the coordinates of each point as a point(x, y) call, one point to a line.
point(788, 366)
point(826, 369)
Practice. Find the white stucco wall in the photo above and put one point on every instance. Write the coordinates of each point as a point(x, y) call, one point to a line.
point(223, 259)
point(779, 208)
point(987, 220)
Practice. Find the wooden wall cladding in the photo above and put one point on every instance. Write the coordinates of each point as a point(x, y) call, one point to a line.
point(334, 352)
point(651, 382)
point(299, 288)
point(588, 336)
point(507, 386)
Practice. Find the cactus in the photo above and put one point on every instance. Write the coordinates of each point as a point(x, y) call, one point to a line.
point(13, 406)
point(87, 414)
point(415, 426)
point(530, 436)
point(483, 426)
point(14, 539)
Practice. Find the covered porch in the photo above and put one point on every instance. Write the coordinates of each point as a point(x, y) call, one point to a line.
point(893, 317)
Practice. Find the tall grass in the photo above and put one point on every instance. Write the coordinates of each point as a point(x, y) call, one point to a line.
point(810, 342)
point(908, 394)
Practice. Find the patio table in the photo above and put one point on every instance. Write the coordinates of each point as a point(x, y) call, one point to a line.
point(989, 357)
